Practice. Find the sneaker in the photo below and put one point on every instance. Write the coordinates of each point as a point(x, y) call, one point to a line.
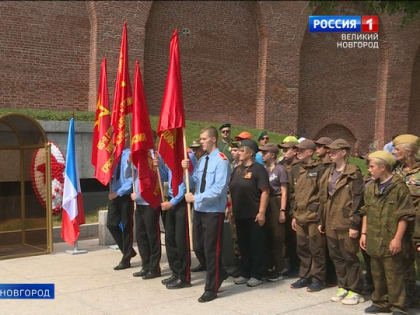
point(275, 276)
point(352, 298)
point(253, 282)
point(301, 283)
point(240, 280)
point(341, 294)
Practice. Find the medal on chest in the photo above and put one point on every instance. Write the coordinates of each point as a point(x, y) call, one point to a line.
point(248, 175)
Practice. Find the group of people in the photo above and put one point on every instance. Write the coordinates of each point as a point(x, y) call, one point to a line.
point(307, 212)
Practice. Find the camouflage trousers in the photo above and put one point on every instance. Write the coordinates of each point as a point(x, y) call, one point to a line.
point(410, 275)
point(343, 252)
point(234, 237)
point(311, 247)
point(389, 284)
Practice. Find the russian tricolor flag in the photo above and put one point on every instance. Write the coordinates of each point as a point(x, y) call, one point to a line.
point(73, 214)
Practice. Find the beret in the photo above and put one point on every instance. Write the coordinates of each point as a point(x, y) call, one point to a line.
point(385, 156)
point(406, 138)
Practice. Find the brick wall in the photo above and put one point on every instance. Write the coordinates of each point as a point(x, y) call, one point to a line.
point(219, 58)
point(44, 56)
point(414, 109)
point(337, 86)
point(251, 63)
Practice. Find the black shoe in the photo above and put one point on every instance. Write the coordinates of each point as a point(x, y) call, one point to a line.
point(373, 309)
point(151, 275)
point(178, 284)
point(301, 283)
point(170, 279)
point(122, 265)
point(198, 268)
point(132, 253)
point(207, 297)
point(222, 278)
point(315, 286)
point(140, 273)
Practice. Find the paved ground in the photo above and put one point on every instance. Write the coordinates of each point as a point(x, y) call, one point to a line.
point(87, 284)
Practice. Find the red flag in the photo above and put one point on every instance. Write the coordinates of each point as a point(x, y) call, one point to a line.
point(122, 99)
point(102, 145)
point(172, 120)
point(141, 143)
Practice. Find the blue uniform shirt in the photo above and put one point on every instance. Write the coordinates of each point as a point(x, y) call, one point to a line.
point(214, 197)
point(259, 158)
point(139, 200)
point(122, 185)
point(166, 176)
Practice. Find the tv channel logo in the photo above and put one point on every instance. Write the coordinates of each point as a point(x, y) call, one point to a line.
point(343, 24)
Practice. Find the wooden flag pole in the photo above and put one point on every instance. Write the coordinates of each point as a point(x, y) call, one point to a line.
point(132, 168)
point(158, 174)
point(187, 184)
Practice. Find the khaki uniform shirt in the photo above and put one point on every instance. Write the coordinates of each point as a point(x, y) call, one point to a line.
point(340, 210)
point(412, 180)
point(304, 191)
point(383, 214)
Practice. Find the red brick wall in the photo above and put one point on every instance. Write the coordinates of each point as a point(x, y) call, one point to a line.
point(284, 23)
point(107, 20)
point(251, 63)
point(414, 109)
point(337, 86)
point(219, 60)
point(44, 57)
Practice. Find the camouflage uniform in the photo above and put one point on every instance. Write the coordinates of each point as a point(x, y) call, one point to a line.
point(339, 213)
point(290, 235)
point(367, 180)
point(225, 148)
point(331, 272)
point(412, 180)
point(304, 204)
point(383, 214)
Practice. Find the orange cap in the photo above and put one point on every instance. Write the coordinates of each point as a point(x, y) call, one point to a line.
point(243, 135)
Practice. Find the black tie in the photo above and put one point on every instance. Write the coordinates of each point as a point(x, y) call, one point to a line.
point(203, 179)
point(118, 170)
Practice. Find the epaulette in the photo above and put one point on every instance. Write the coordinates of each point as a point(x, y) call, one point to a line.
point(223, 156)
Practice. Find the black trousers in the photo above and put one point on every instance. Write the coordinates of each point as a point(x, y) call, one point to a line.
point(208, 232)
point(251, 240)
point(177, 241)
point(120, 209)
point(148, 237)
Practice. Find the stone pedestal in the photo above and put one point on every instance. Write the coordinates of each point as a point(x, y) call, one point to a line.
point(104, 236)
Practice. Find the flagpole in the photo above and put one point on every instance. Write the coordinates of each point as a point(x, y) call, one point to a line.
point(160, 185)
point(132, 168)
point(187, 183)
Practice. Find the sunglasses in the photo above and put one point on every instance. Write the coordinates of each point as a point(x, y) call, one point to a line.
point(226, 131)
point(265, 138)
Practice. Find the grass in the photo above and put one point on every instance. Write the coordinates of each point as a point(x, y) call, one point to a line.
point(91, 217)
point(192, 127)
point(31, 223)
